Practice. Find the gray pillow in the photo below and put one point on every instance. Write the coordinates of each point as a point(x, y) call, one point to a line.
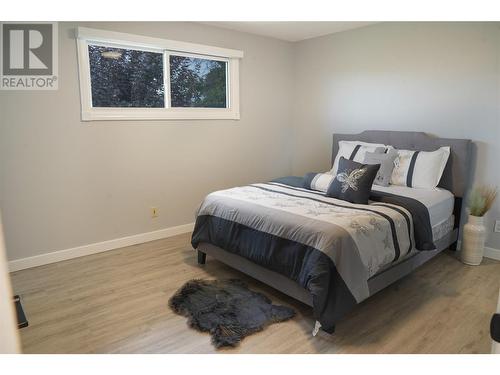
point(386, 162)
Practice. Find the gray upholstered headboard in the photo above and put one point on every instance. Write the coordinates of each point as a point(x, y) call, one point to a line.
point(456, 173)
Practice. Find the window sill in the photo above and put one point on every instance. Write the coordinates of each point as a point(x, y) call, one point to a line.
point(124, 114)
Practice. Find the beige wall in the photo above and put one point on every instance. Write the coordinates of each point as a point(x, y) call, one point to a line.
point(66, 183)
point(440, 78)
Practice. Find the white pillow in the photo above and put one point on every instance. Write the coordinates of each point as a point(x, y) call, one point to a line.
point(419, 169)
point(318, 181)
point(355, 150)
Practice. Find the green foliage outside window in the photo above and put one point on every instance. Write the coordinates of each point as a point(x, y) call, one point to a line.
point(133, 78)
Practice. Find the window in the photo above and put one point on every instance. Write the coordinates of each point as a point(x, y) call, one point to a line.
point(125, 76)
point(197, 82)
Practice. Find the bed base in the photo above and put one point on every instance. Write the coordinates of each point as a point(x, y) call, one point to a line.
point(291, 288)
point(202, 257)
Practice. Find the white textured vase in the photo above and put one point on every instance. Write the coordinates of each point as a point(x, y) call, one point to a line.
point(473, 241)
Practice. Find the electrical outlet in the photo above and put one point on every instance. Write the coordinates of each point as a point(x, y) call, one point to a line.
point(497, 226)
point(154, 212)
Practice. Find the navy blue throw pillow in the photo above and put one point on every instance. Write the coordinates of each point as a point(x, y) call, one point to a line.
point(353, 181)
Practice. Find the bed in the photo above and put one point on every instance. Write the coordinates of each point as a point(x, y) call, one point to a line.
point(331, 254)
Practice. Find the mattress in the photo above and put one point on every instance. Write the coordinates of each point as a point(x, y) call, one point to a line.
point(439, 202)
point(442, 229)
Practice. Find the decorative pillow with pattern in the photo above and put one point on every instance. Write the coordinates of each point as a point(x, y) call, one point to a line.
point(419, 169)
point(355, 150)
point(386, 162)
point(353, 181)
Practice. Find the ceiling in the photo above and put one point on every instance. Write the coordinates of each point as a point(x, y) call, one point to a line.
point(291, 31)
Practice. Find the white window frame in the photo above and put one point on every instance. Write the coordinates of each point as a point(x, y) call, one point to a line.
point(86, 36)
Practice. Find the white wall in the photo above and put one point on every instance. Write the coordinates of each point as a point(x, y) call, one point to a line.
point(66, 183)
point(440, 78)
point(9, 337)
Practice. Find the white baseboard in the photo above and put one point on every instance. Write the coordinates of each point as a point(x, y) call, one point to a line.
point(492, 253)
point(99, 247)
point(489, 252)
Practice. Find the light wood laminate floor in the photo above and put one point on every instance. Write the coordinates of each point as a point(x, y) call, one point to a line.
point(116, 302)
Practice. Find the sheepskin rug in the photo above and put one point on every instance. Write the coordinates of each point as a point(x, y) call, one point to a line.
point(227, 309)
